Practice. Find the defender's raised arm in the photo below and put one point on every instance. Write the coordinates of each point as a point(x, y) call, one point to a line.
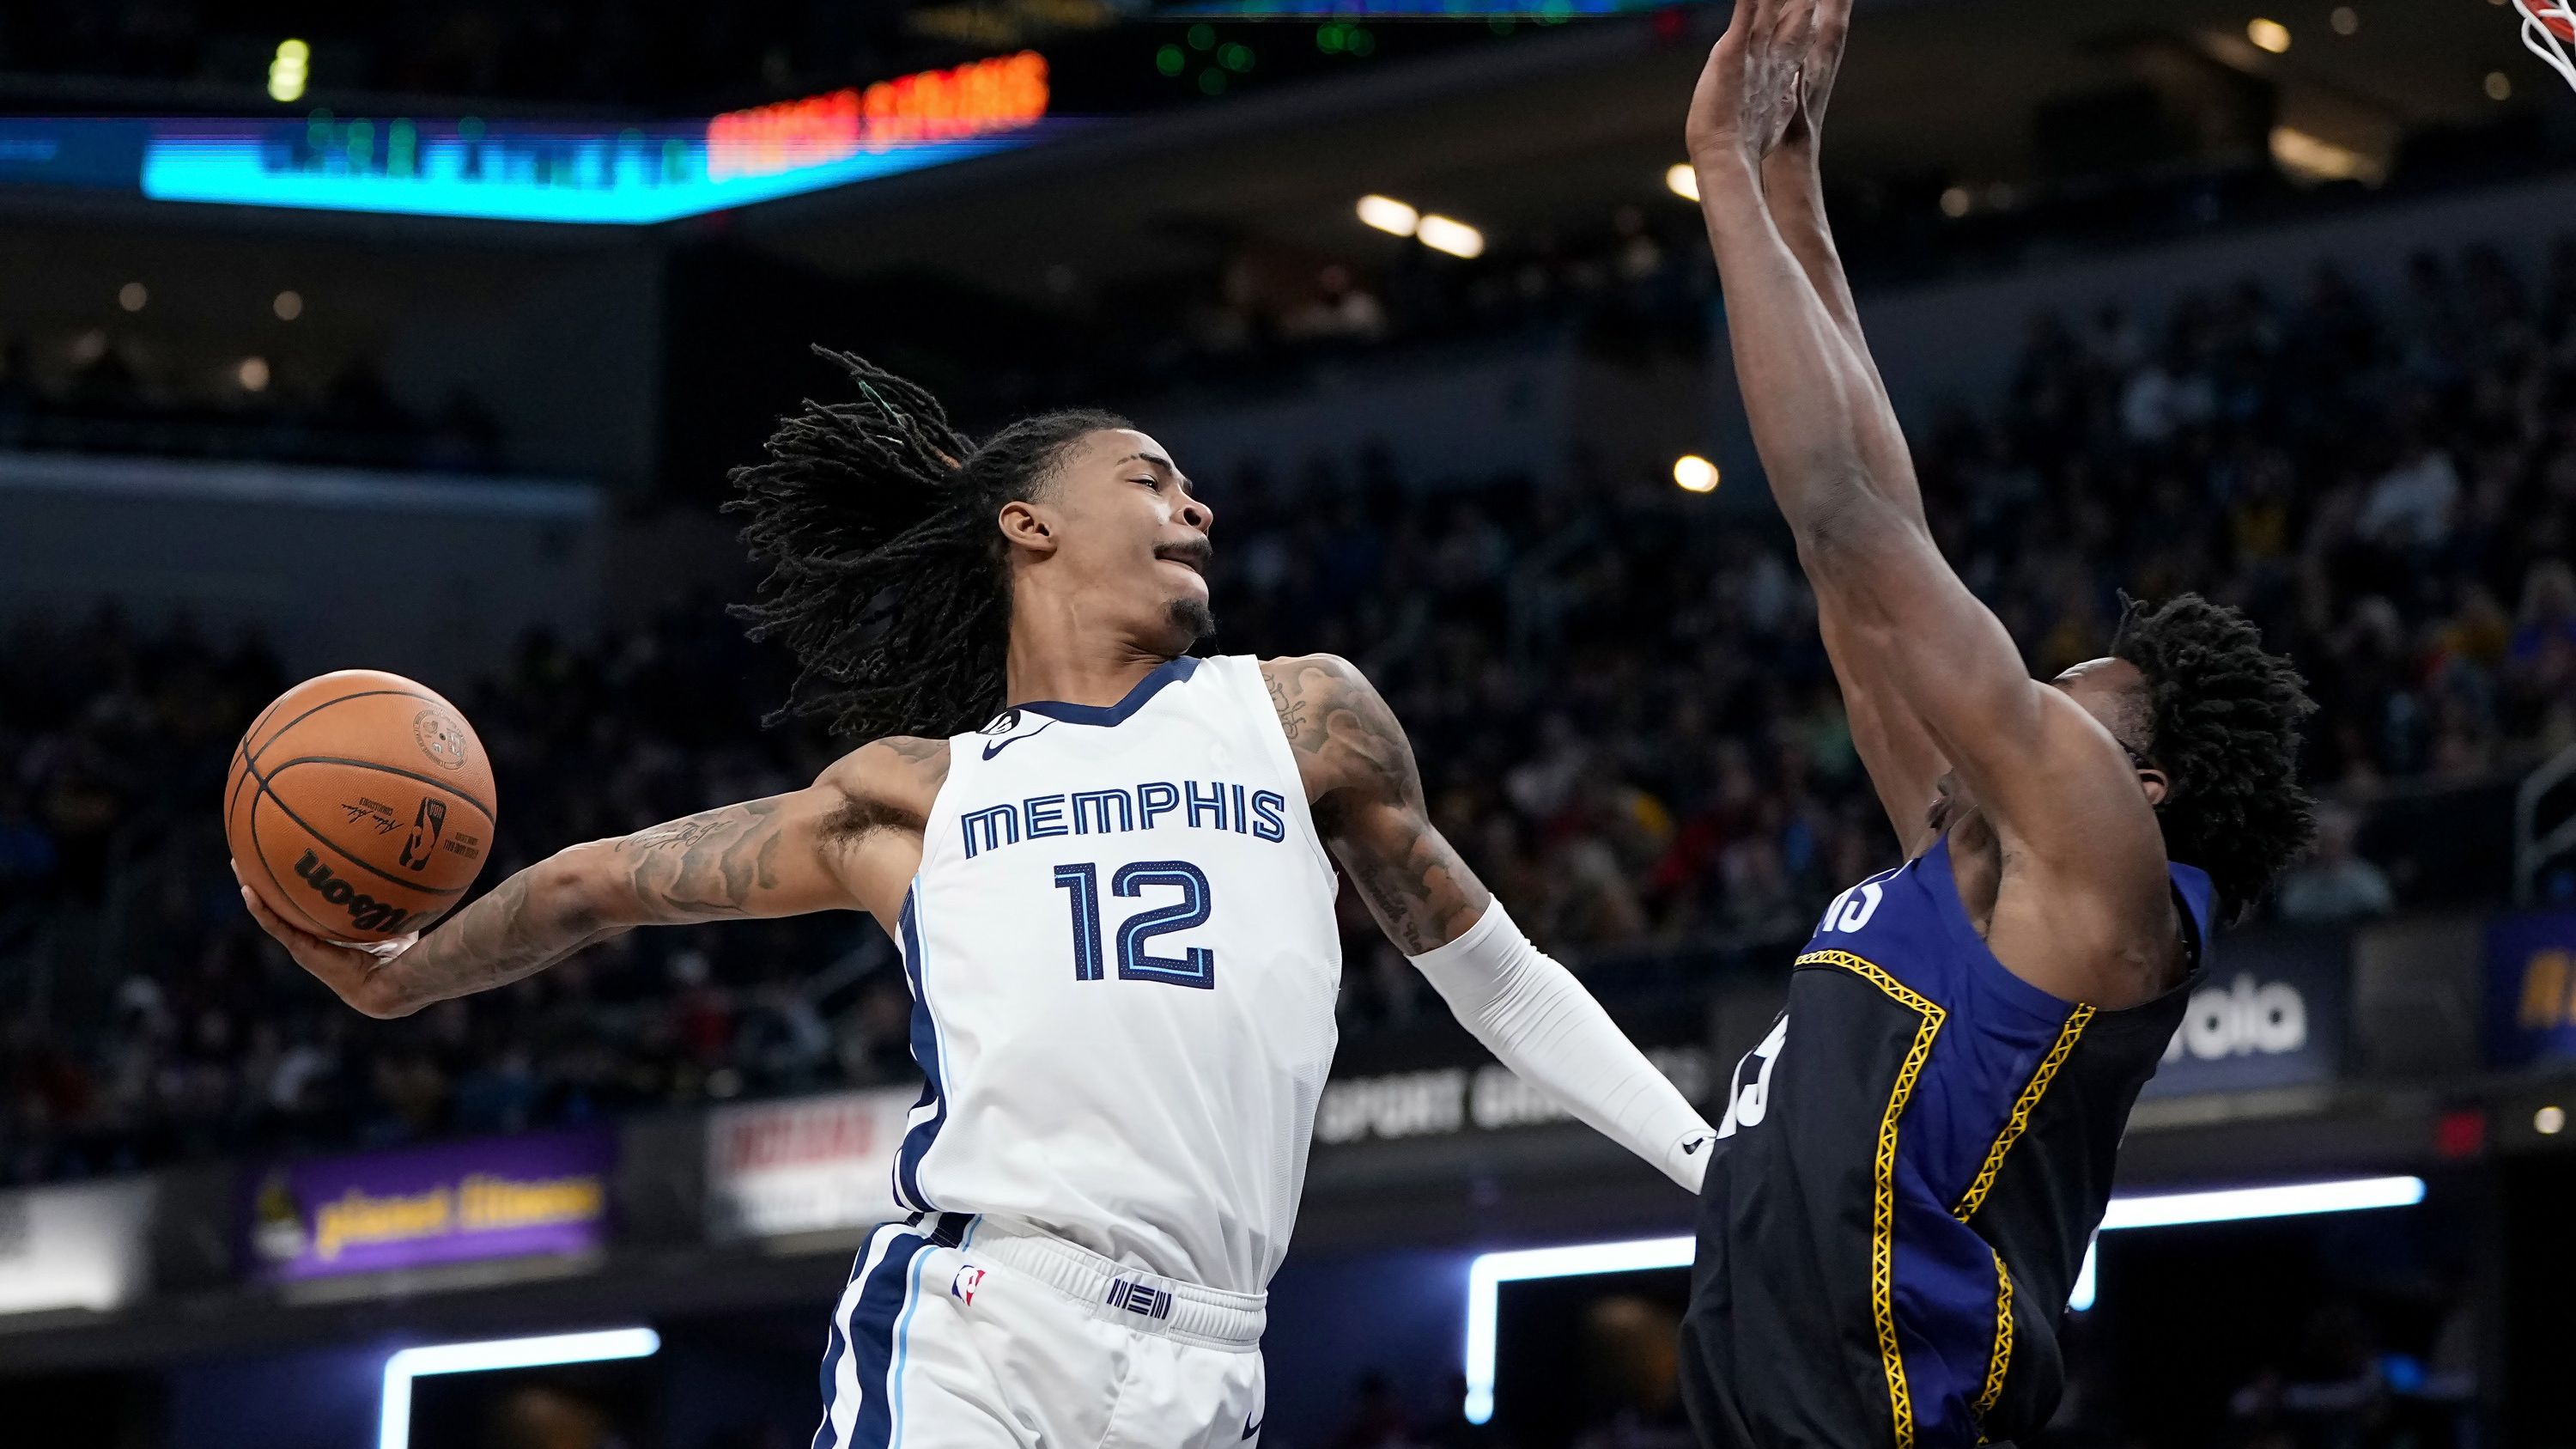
point(2053, 780)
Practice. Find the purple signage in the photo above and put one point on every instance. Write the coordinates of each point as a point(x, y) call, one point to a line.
point(492, 1197)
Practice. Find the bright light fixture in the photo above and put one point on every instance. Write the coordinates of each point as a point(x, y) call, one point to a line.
point(1490, 1271)
point(393, 1429)
point(1456, 238)
point(288, 305)
point(2269, 35)
point(252, 374)
point(2549, 1121)
point(1388, 214)
point(1682, 181)
point(289, 70)
point(1695, 474)
point(132, 296)
point(1487, 1275)
point(2237, 1204)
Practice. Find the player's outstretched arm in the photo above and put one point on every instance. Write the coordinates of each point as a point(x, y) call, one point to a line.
point(1529, 1011)
point(821, 848)
point(1903, 759)
point(2076, 825)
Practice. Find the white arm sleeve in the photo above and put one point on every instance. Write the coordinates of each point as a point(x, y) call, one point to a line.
point(1532, 1014)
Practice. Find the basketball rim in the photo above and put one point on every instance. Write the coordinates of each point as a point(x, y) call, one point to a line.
point(2549, 31)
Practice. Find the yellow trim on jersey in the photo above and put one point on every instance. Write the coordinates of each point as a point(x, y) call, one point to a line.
point(2001, 1362)
point(2019, 1121)
point(1882, 1237)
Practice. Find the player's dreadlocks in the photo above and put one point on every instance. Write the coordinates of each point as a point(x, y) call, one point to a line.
point(2223, 724)
point(887, 577)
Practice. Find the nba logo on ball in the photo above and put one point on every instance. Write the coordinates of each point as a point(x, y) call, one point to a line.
point(969, 1278)
point(441, 738)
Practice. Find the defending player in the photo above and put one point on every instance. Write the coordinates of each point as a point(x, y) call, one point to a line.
point(1914, 1159)
point(1114, 905)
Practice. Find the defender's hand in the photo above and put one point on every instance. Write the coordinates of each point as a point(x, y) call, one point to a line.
point(355, 973)
point(1753, 91)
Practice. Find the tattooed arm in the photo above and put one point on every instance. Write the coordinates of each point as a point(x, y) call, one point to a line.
point(848, 841)
point(1529, 1011)
point(1367, 799)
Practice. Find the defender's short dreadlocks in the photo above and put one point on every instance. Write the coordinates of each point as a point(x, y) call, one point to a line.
point(887, 577)
point(2223, 724)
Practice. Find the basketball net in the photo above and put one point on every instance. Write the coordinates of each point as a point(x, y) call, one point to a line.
point(2549, 31)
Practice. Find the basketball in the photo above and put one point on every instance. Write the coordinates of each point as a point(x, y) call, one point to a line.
point(360, 806)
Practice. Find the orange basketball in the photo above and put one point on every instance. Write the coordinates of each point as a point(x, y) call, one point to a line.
point(360, 806)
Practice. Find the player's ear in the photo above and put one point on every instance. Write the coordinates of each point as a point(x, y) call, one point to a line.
point(2157, 784)
point(1026, 527)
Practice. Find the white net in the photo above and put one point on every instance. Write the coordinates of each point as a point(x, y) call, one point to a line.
point(2545, 24)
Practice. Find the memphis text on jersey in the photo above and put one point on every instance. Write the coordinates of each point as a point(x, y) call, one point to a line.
point(1215, 805)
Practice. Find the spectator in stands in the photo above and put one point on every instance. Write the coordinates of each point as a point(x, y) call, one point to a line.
point(2335, 884)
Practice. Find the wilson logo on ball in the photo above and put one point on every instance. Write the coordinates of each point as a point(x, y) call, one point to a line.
point(366, 913)
point(441, 738)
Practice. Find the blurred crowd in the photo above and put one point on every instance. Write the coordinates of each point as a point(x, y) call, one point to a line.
point(109, 396)
point(1623, 714)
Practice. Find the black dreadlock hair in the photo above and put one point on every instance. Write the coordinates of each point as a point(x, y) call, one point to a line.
point(2223, 724)
point(887, 578)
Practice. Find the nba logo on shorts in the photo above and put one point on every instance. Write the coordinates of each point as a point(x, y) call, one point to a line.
point(969, 1278)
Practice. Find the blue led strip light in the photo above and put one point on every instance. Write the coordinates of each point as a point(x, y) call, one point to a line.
point(612, 179)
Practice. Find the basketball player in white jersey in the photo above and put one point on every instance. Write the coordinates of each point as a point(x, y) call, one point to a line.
point(1109, 867)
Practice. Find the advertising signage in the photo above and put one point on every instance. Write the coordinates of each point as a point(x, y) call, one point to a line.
point(498, 1197)
point(571, 173)
point(2272, 1013)
point(82, 1246)
point(814, 1164)
point(2531, 988)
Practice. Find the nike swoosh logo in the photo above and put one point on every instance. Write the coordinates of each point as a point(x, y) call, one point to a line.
point(997, 746)
point(1251, 1426)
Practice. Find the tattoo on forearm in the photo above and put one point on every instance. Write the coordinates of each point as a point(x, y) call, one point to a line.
point(706, 865)
point(499, 939)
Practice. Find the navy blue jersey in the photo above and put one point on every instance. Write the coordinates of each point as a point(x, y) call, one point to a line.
point(1910, 1168)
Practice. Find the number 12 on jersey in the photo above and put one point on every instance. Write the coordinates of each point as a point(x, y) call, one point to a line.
point(1195, 966)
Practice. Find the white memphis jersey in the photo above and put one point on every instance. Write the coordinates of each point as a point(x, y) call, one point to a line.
point(1123, 961)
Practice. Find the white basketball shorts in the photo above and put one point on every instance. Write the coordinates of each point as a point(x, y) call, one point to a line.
point(962, 1332)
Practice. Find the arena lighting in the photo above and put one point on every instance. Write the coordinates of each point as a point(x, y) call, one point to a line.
point(1388, 214)
point(2549, 1121)
point(289, 70)
point(2269, 35)
point(2312, 158)
point(1695, 474)
point(1487, 1275)
point(1682, 181)
point(1456, 238)
point(598, 175)
point(2242, 1204)
point(1490, 1271)
point(393, 1424)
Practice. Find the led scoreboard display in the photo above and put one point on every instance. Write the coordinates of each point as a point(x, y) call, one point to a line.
point(533, 171)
